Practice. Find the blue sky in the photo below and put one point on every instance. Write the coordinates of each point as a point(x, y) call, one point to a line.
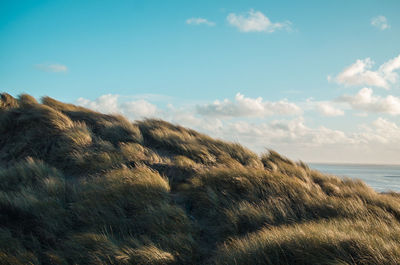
point(174, 59)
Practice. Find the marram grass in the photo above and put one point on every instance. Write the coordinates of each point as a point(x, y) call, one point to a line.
point(81, 187)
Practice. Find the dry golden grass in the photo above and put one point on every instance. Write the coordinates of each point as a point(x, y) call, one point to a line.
point(80, 187)
point(337, 241)
point(8, 102)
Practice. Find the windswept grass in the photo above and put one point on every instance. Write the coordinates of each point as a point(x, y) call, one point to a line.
point(81, 187)
point(337, 241)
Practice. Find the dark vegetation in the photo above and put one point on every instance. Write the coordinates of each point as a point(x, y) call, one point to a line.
point(80, 187)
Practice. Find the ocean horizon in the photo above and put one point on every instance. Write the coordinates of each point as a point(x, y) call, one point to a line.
point(382, 178)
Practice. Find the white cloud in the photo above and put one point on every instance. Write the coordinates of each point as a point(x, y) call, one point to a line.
point(199, 21)
point(388, 69)
point(380, 22)
point(360, 73)
point(381, 131)
point(283, 132)
point(56, 68)
point(111, 104)
point(105, 103)
point(255, 21)
point(139, 108)
point(327, 109)
point(388, 130)
point(248, 107)
point(365, 100)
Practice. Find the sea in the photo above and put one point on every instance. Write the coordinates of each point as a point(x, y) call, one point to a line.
point(382, 178)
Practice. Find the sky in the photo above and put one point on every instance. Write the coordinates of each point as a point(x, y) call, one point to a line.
point(317, 81)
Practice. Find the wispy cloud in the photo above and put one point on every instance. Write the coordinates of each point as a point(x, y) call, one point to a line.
point(380, 22)
point(360, 73)
point(255, 21)
point(55, 68)
point(199, 21)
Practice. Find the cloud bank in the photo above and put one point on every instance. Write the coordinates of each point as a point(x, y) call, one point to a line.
point(280, 125)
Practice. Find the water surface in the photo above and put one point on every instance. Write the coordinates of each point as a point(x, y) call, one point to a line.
point(379, 177)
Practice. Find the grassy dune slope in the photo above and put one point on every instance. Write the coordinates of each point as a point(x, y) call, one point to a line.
point(80, 187)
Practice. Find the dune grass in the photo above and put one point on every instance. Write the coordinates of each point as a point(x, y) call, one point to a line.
point(81, 187)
